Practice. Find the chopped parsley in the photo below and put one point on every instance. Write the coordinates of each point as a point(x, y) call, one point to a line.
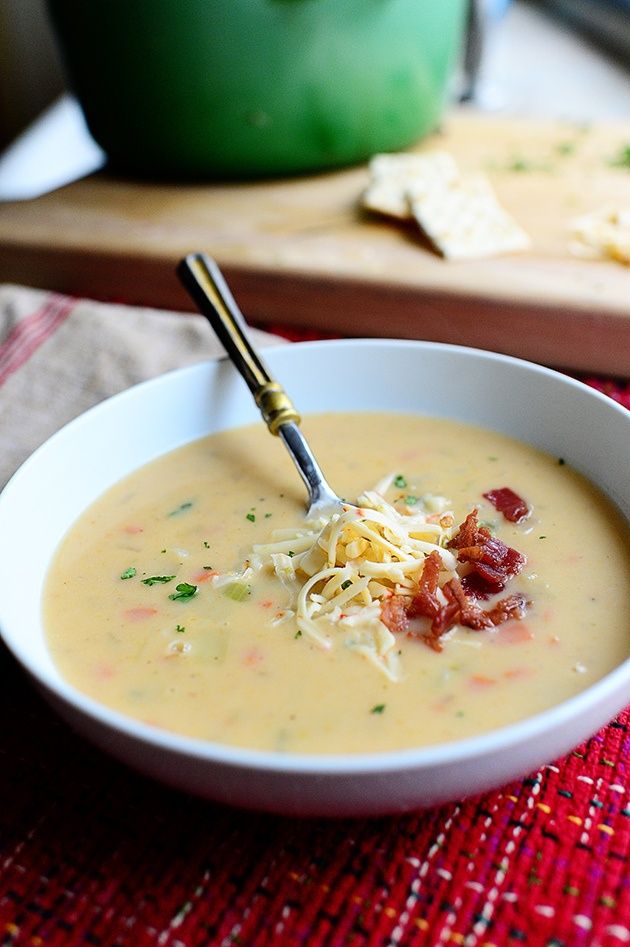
point(542, 537)
point(180, 629)
point(128, 573)
point(183, 591)
point(158, 579)
point(399, 481)
point(411, 500)
point(162, 550)
point(208, 568)
point(251, 517)
point(346, 585)
point(377, 709)
point(298, 634)
point(267, 515)
point(180, 509)
point(290, 554)
point(206, 544)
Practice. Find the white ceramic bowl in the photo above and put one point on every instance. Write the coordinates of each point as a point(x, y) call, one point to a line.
point(75, 466)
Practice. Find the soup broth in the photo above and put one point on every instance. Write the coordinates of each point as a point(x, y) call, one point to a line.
point(224, 662)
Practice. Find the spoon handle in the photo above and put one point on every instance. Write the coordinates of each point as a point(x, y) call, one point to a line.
point(204, 281)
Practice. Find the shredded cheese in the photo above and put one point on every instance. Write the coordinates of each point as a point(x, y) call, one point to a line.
point(342, 567)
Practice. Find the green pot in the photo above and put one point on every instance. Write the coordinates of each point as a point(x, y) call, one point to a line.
point(254, 87)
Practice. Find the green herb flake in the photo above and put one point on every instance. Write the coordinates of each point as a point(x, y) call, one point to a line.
point(290, 554)
point(162, 551)
point(181, 508)
point(566, 148)
point(298, 634)
point(542, 537)
point(180, 629)
point(622, 158)
point(251, 517)
point(346, 585)
point(377, 709)
point(208, 568)
point(523, 165)
point(158, 579)
point(411, 500)
point(128, 573)
point(237, 591)
point(561, 461)
point(206, 544)
point(399, 481)
point(267, 515)
point(183, 591)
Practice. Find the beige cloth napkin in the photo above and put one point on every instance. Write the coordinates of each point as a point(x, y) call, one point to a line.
point(60, 355)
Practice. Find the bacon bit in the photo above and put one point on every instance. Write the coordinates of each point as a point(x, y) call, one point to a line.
point(492, 561)
point(139, 613)
point(469, 532)
point(425, 602)
point(459, 609)
point(394, 613)
point(505, 501)
point(205, 576)
point(514, 606)
point(132, 530)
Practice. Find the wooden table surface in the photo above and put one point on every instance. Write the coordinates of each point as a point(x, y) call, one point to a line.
point(300, 251)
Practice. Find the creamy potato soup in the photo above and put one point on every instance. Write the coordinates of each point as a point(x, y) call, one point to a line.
point(194, 597)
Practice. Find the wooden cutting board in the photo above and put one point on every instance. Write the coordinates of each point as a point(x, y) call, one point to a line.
point(299, 251)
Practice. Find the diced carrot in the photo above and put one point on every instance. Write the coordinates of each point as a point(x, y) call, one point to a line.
point(481, 681)
point(132, 529)
point(442, 703)
point(515, 673)
point(513, 632)
point(252, 657)
point(204, 576)
point(139, 613)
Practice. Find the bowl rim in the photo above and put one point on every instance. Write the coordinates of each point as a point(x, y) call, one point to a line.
point(498, 739)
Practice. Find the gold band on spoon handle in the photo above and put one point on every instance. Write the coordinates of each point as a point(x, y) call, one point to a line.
point(204, 281)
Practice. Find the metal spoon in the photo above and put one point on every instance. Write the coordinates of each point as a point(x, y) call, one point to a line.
point(204, 281)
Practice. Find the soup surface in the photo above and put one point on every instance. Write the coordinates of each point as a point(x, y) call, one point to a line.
point(144, 614)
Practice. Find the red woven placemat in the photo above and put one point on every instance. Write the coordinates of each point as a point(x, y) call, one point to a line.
point(91, 853)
